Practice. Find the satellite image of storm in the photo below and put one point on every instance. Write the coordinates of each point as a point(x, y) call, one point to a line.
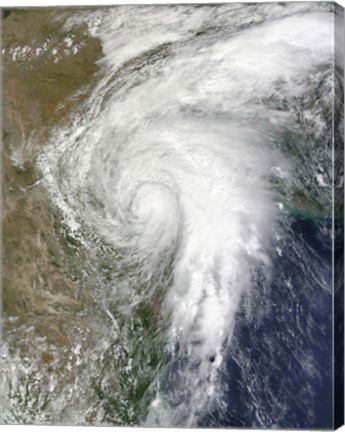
point(167, 177)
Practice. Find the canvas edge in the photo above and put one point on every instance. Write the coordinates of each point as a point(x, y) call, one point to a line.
point(338, 218)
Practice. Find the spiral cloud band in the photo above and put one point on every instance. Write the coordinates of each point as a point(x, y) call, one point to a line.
point(177, 163)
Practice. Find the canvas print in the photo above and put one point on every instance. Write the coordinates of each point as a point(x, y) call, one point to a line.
point(172, 215)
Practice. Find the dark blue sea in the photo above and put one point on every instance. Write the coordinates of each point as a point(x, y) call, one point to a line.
point(279, 367)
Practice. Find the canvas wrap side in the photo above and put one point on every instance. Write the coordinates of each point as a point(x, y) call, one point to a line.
point(338, 215)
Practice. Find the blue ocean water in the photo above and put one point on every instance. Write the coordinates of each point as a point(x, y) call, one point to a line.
point(279, 365)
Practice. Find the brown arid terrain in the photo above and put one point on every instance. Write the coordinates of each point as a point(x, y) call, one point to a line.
point(37, 94)
point(61, 348)
point(45, 294)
